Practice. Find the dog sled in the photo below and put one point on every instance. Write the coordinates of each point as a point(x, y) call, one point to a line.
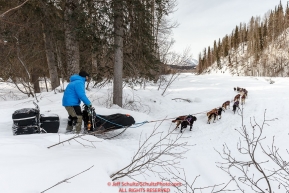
point(94, 123)
point(31, 121)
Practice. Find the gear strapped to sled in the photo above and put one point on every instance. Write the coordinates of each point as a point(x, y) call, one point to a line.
point(93, 122)
point(30, 121)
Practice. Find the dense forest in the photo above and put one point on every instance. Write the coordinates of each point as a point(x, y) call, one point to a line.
point(125, 42)
point(119, 40)
point(259, 48)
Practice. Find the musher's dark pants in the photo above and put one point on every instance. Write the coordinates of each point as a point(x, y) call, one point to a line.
point(75, 115)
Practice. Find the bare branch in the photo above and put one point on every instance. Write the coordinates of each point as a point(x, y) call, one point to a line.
point(3, 14)
point(151, 153)
point(66, 180)
point(183, 184)
point(187, 100)
point(253, 171)
point(75, 137)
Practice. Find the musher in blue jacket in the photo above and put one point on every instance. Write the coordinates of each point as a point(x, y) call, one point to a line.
point(73, 95)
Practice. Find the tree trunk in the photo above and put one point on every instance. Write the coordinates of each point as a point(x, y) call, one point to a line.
point(59, 63)
point(71, 42)
point(118, 52)
point(52, 65)
point(94, 63)
point(45, 83)
point(35, 82)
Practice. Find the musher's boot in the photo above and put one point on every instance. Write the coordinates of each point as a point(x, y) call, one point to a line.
point(78, 125)
point(69, 126)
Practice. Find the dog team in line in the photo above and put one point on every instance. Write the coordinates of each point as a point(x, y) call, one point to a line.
point(215, 113)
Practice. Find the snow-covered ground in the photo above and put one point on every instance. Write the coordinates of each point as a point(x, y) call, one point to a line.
point(27, 165)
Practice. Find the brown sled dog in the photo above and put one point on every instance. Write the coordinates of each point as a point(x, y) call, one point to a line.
point(226, 104)
point(212, 115)
point(237, 97)
point(184, 121)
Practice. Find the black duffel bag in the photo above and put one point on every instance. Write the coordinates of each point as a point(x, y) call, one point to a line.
point(114, 121)
point(25, 121)
point(49, 122)
point(23, 130)
point(25, 117)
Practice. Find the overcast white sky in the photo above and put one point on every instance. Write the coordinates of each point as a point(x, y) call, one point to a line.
point(203, 21)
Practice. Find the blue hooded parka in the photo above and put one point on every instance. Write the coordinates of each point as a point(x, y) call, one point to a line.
point(75, 92)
